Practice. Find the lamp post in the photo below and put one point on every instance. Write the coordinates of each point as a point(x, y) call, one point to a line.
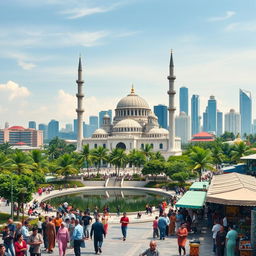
point(12, 213)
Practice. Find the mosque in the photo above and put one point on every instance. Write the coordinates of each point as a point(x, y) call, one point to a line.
point(135, 125)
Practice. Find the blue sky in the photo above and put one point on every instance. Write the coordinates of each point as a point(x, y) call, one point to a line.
point(121, 42)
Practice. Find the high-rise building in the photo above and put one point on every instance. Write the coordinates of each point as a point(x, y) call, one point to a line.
point(254, 126)
point(219, 123)
point(44, 129)
point(20, 136)
point(94, 120)
point(102, 114)
point(233, 122)
point(6, 125)
point(182, 127)
point(53, 129)
point(161, 113)
point(195, 114)
point(184, 100)
point(32, 124)
point(212, 115)
point(205, 120)
point(245, 112)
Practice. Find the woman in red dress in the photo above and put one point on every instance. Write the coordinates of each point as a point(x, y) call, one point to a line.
point(20, 246)
point(182, 238)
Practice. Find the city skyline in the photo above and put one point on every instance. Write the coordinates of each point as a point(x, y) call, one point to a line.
point(119, 48)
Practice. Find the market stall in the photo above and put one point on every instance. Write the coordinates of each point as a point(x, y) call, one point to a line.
point(192, 199)
point(237, 195)
point(199, 186)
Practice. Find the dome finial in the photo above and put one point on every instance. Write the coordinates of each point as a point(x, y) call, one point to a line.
point(132, 90)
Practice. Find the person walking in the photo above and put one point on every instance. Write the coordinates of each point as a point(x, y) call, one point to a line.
point(8, 241)
point(87, 220)
point(231, 238)
point(25, 231)
point(98, 232)
point(104, 220)
point(124, 223)
point(57, 222)
point(182, 238)
point(35, 241)
point(63, 239)
point(20, 246)
point(78, 236)
point(151, 251)
point(51, 235)
point(215, 230)
point(155, 228)
point(172, 224)
point(220, 242)
point(44, 225)
point(162, 224)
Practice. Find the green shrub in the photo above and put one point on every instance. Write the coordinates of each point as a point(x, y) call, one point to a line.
point(62, 183)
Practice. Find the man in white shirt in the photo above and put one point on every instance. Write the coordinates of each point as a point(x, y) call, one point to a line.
point(225, 223)
point(215, 229)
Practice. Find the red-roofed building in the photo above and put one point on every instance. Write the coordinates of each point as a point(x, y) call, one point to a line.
point(202, 137)
point(20, 136)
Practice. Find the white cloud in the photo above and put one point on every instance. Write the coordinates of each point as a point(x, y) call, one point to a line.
point(227, 16)
point(242, 26)
point(14, 91)
point(26, 65)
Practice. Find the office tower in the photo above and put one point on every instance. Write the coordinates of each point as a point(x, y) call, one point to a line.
point(32, 124)
point(195, 114)
point(68, 128)
point(205, 120)
point(75, 126)
point(219, 123)
point(254, 126)
point(20, 136)
point(94, 121)
point(182, 127)
point(212, 115)
point(233, 122)
point(102, 114)
point(53, 129)
point(161, 113)
point(44, 129)
point(245, 112)
point(184, 100)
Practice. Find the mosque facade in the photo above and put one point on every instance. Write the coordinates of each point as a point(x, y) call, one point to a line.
point(135, 125)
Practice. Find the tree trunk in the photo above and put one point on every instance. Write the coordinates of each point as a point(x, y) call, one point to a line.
point(200, 174)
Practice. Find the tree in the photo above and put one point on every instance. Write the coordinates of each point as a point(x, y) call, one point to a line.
point(136, 158)
point(6, 148)
point(21, 163)
point(180, 177)
point(153, 168)
point(227, 136)
point(201, 159)
point(66, 166)
point(147, 150)
point(118, 158)
point(217, 156)
point(157, 156)
point(239, 150)
point(40, 163)
point(99, 155)
point(85, 156)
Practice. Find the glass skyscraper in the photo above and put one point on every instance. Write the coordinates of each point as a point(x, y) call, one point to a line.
point(184, 100)
point(195, 116)
point(161, 113)
point(245, 112)
point(32, 124)
point(102, 114)
point(44, 128)
point(53, 129)
point(212, 115)
point(219, 123)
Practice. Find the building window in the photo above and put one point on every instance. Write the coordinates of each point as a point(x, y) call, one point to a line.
point(128, 112)
point(142, 146)
point(152, 145)
point(95, 145)
point(161, 146)
point(104, 145)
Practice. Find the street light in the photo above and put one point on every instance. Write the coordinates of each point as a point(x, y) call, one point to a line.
point(12, 213)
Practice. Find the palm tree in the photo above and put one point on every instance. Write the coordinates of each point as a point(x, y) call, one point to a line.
point(217, 156)
point(85, 156)
point(21, 163)
point(147, 150)
point(157, 156)
point(239, 150)
point(66, 166)
point(6, 148)
point(201, 159)
point(40, 162)
point(118, 158)
point(136, 158)
point(99, 155)
point(4, 162)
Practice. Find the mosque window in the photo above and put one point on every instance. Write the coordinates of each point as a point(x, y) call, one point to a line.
point(142, 146)
point(131, 112)
point(161, 146)
point(104, 145)
point(139, 112)
point(152, 145)
point(135, 112)
point(128, 112)
point(95, 145)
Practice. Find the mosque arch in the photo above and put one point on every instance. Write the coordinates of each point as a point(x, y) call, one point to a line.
point(121, 145)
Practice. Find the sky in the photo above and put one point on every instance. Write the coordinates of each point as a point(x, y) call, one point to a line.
point(121, 42)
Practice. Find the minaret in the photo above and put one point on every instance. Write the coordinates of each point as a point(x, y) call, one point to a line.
point(79, 109)
point(171, 109)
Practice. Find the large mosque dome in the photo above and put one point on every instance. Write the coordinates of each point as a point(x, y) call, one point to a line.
point(132, 100)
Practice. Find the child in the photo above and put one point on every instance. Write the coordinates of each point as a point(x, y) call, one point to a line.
point(155, 228)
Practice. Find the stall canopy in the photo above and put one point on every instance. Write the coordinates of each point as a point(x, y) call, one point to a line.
point(232, 189)
point(192, 199)
point(203, 185)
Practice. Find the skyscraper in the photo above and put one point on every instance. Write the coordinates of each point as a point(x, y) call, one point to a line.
point(32, 124)
point(184, 100)
point(94, 121)
point(161, 113)
point(102, 114)
point(233, 122)
point(205, 120)
point(212, 115)
point(182, 127)
point(195, 116)
point(245, 111)
point(53, 129)
point(44, 128)
point(219, 123)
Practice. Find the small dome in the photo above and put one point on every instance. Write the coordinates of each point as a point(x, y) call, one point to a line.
point(182, 113)
point(132, 101)
point(152, 115)
point(158, 131)
point(127, 123)
point(100, 132)
point(106, 116)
